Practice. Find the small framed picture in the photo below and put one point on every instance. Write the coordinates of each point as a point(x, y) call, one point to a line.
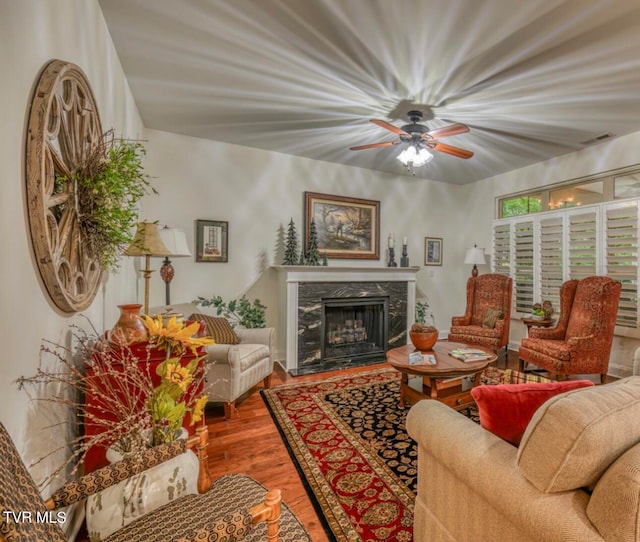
point(212, 241)
point(433, 251)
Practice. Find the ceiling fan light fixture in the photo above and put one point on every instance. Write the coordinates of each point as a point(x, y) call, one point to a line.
point(413, 157)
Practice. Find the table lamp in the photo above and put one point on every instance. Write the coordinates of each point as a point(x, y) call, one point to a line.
point(475, 256)
point(147, 243)
point(176, 242)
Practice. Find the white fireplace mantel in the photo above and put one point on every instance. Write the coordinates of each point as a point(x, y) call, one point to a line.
point(290, 276)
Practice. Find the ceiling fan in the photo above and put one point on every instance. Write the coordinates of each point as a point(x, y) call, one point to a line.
point(420, 140)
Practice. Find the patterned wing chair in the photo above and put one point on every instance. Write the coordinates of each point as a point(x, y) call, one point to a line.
point(580, 343)
point(488, 314)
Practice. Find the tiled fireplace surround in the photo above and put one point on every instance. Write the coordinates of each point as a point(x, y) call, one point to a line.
point(301, 291)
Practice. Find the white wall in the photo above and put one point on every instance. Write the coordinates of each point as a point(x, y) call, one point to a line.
point(258, 192)
point(32, 32)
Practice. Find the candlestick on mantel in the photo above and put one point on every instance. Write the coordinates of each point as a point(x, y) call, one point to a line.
point(392, 258)
point(404, 260)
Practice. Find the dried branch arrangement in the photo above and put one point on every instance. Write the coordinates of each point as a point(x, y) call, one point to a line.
point(128, 410)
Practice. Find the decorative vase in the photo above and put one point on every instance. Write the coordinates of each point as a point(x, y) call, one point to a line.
point(129, 328)
point(126, 501)
point(423, 340)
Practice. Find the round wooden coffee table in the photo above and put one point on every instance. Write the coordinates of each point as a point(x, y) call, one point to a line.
point(443, 380)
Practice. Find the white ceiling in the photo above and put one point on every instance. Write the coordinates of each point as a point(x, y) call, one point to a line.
point(532, 79)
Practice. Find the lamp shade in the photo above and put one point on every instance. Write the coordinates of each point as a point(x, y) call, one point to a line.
point(475, 256)
point(176, 242)
point(147, 242)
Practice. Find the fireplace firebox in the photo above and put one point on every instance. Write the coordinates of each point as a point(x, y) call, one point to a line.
point(354, 329)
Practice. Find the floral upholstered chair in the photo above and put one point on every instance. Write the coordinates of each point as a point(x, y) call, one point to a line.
point(488, 314)
point(235, 507)
point(580, 343)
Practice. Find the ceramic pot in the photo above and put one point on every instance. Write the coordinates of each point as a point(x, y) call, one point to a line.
point(129, 328)
point(423, 341)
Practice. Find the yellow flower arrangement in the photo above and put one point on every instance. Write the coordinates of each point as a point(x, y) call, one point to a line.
point(171, 399)
point(174, 336)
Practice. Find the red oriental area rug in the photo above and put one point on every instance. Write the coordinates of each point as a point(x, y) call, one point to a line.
point(347, 437)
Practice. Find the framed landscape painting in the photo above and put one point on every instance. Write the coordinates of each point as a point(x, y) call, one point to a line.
point(433, 251)
point(212, 241)
point(346, 227)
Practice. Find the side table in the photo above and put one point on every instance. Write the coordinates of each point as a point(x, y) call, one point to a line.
point(532, 322)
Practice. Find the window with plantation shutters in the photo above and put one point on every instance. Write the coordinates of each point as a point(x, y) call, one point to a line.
point(523, 265)
point(621, 257)
point(582, 244)
point(541, 253)
point(551, 263)
point(502, 249)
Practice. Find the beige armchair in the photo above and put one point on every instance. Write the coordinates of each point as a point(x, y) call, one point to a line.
point(574, 477)
point(237, 368)
point(234, 369)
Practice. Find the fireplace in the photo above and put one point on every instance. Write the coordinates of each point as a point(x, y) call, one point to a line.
point(354, 329)
point(305, 291)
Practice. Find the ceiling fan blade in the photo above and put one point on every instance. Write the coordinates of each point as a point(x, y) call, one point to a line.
point(454, 151)
point(446, 131)
point(374, 145)
point(388, 126)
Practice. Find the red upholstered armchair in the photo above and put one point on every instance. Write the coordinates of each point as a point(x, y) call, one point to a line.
point(580, 343)
point(488, 315)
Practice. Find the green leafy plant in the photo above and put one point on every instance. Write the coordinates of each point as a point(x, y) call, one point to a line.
point(422, 308)
point(424, 319)
point(110, 181)
point(537, 310)
point(237, 311)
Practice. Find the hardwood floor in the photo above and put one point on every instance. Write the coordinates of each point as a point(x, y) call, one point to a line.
point(251, 444)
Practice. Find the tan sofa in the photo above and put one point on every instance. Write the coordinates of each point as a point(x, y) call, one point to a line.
point(575, 476)
point(234, 369)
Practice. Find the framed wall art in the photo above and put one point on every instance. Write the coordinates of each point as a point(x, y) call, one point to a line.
point(433, 251)
point(346, 227)
point(212, 241)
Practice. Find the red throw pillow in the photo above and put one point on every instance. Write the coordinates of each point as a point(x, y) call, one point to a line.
point(505, 409)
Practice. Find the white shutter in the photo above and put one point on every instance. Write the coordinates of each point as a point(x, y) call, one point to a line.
point(523, 265)
point(502, 249)
point(621, 257)
point(551, 258)
point(582, 244)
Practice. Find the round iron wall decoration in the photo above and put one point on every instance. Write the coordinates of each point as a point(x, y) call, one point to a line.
point(64, 125)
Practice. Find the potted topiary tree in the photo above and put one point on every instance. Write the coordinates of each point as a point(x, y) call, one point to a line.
point(423, 333)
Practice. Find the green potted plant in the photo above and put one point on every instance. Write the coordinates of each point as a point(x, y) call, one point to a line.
point(537, 313)
point(423, 333)
point(238, 311)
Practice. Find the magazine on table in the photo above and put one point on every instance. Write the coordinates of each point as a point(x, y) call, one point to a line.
point(418, 358)
point(470, 354)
